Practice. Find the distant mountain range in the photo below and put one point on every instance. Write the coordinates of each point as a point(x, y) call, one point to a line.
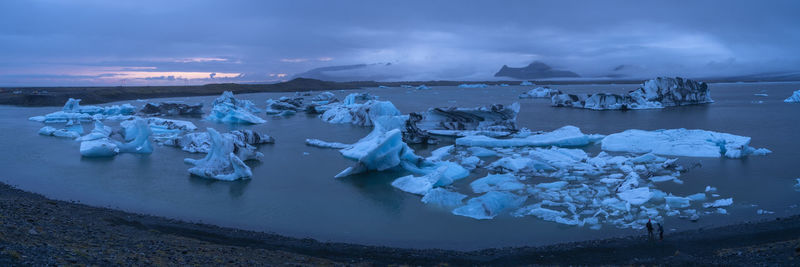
point(535, 70)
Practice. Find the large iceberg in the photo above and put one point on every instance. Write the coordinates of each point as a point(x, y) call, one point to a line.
point(567, 136)
point(656, 93)
point(540, 92)
point(161, 129)
point(100, 131)
point(795, 98)
point(228, 109)
point(681, 142)
point(171, 108)
point(99, 148)
point(221, 163)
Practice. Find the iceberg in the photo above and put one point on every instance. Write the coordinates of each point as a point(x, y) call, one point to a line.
point(172, 108)
point(323, 144)
point(359, 114)
point(493, 118)
point(413, 134)
point(489, 205)
point(636, 196)
point(496, 182)
point(140, 141)
point(475, 85)
point(795, 98)
point(244, 142)
point(100, 131)
point(681, 142)
point(443, 198)
point(220, 163)
point(65, 133)
point(540, 92)
point(161, 129)
point(227, 109)
point(656, 93)
point(719, 203)
point(99, 148)
point(567, 136)
point(423, 87)
point(284, 105)
point(73, 111)
point(378, 151)
point(526, 83)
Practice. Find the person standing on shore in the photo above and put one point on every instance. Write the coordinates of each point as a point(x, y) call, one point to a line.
point(660, 232)
point(649, 229)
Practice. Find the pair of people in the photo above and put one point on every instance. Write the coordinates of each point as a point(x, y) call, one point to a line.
point(650, 230)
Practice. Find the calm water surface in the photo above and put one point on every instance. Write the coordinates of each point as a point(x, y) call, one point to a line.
point(293, 191)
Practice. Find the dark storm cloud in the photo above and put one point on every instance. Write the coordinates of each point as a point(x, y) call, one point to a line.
point(270, 41)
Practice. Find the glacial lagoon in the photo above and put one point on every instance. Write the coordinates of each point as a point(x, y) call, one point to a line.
point(293, 191)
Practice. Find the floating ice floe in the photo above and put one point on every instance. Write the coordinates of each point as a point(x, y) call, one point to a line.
point(73, 111)
point(719, 203)
point(797, 184)
point(567, 136)
point(99, 148)
point(72, 130)
point(423, 87)
point(475, 85)
point(490, 204)
point(244, 142)
point(540, 92)
point(794, 98)
point(526, 83)
point(443, 198)
point(656, 93)
point(221, 163)
point(681, 142)
point(171, 108)
point(228, 109)
point(323, 144)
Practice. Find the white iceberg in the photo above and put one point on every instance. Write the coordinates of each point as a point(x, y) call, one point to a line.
point(795, 98)
point(497, 182)
point(719, 203)
point(227, 109)
point(140, 142)
point(423, 87)
point(526, 83)
point(540, 92)
point(636, 196)
point(474, 85)
point(221, 163)
point(161, 129)
point(244, 142)
point(73, 111)
point(361, 114)
point(567, 136)
point(99, 148)
point(324, 144)
point(100, 131)
point(681, 142)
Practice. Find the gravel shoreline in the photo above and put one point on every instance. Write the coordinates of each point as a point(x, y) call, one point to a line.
point(35, 230)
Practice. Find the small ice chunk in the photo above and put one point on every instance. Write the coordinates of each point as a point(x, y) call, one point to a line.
point(323, 144)
point(489, 205)
point(697, 197)
point(762, 212)
point(481, 152)
point(677, 202)
point(443, 198)
point(440, 153)
point(496, 182)
point(711, 189)
point(552, 186)
point(719, 203)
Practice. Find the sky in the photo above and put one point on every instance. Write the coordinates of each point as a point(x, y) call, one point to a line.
point(144, 42)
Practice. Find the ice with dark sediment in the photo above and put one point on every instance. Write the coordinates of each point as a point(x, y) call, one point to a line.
point(244, 142)
point(161, 129)
point(284, 106)
point(221, 162)
point(359, 109)
point(228, 109)
point(171, 108)
point(656, 93)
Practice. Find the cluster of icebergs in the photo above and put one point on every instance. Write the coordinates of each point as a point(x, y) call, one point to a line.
point(225, 152)
point(542, 174)
point(540, 92)
point(656, 93)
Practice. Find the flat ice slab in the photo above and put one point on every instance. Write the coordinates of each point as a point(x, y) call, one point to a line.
point(681, 142)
